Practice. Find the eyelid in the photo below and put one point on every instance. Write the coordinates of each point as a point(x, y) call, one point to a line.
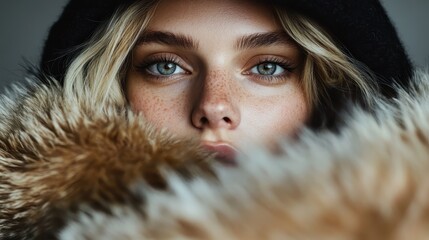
point(281, 61)
point(164, 57)
point(153, 72)
point(270, 80)
point(283, 69)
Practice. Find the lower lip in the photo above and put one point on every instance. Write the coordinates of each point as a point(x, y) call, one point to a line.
point(223, 153)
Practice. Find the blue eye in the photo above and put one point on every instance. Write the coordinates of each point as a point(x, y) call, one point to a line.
point(165, 68)
point(267, 69)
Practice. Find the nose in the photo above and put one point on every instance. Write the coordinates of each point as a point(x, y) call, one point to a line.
point(216, 106)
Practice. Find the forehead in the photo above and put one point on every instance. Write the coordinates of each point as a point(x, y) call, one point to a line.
point(213, 15)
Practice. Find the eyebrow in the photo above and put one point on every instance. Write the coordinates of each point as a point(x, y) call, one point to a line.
point(183, 41)
point(167, 38)
point(263, 40)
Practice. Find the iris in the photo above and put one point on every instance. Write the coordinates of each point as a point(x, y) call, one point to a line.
point(166, 68)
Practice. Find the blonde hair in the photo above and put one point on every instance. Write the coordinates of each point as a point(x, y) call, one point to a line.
point(325, 65)
point(100, 69)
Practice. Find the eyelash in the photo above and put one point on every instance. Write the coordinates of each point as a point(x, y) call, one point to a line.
point(270, 79)
point(144, 65)
point(273, 79)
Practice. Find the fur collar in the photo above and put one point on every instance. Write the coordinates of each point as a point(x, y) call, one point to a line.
point(72, 171)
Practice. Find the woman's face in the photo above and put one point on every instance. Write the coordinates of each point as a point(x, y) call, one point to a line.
point(221, 71)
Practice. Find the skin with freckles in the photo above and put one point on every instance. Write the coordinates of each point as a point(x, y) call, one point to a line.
point(221, 71)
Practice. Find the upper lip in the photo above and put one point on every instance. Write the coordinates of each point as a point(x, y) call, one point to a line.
point(224, 152)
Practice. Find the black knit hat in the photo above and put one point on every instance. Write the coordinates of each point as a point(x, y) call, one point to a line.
point(361, 27)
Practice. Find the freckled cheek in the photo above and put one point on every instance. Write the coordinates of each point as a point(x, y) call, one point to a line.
point(293, 115)
point(162, 108)
point(272, 117)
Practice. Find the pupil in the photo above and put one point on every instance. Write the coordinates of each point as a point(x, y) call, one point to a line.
point(267, 69)
point(166, 68)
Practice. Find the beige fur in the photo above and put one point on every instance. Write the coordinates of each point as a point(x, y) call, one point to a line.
point(57, 154)
point(104, 174)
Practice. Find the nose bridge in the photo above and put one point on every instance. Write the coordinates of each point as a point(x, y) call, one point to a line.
point(215, 90)
point(216, 105)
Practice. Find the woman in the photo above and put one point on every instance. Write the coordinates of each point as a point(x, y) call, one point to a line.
point(312, 76)
point(221, 73)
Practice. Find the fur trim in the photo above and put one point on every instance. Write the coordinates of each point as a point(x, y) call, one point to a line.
point(67, 164)
point(56, 154)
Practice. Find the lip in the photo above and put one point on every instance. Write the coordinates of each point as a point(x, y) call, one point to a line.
point(224, 152)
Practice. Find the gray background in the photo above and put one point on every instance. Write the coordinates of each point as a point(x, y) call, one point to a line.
point(24, 25)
